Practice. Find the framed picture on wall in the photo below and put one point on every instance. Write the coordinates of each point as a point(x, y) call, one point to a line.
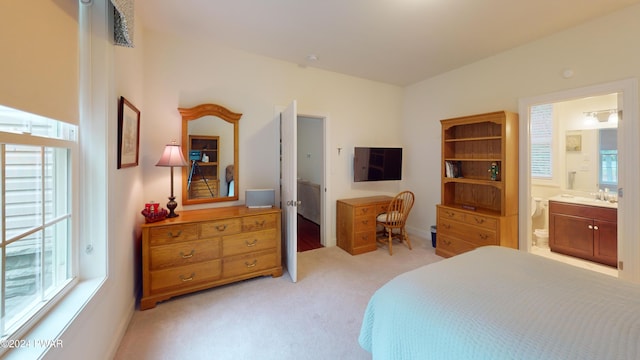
point(574, 142)
point(128, 134)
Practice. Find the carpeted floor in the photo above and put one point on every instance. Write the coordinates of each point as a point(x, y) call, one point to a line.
point(319, 317)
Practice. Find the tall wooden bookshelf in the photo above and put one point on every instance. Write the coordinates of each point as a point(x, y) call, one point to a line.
point(479, 187)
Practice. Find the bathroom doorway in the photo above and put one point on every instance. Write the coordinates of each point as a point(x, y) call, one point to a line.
point(572, 153)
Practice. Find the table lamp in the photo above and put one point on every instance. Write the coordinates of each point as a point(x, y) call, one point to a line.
point(172, 156)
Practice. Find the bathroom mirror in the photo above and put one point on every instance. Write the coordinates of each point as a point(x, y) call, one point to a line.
point(210, 146)
point(591, 159)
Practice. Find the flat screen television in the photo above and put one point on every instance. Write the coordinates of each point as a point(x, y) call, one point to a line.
point(377, 164)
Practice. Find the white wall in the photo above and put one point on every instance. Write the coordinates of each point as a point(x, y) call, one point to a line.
point(95, 333)
point(186, 72)
point(310, 156)
point(500, 81)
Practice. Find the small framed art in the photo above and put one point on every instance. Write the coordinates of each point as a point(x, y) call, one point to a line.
point(128, 134)
point(574, 142)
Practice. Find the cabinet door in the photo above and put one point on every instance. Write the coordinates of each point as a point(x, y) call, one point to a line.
point(571, 235)
point(605, 242)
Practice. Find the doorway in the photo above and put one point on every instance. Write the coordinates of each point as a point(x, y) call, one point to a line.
point(621, 95)
point(574, 157)
point(310, 181)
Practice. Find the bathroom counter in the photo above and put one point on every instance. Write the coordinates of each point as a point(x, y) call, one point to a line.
point(581, 200)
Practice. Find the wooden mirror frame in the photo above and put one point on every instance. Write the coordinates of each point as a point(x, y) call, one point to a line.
point(225, 114)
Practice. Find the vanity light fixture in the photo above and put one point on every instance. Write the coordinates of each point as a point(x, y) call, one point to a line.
point(601, 116)
point(590, 118)
point(171, 157)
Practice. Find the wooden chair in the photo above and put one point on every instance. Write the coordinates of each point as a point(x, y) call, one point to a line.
point(393, 221)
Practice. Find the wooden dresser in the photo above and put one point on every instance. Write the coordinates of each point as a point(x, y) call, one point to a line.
point(201, 249)
point(356, 222)
point(461, 231)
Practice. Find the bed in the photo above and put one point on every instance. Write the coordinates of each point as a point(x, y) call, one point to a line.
point(500, 303)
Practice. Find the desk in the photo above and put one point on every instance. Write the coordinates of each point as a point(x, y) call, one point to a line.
point(356, 222)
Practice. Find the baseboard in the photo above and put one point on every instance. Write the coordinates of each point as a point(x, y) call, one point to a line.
point(122, 329)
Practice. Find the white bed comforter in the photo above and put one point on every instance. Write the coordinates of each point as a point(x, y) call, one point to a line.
point(499, 303)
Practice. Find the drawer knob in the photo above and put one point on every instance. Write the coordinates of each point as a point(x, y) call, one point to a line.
point(483, 236)
point(221, 227)
point(253, 243)
point(479, 220)
point(450, 214)
point(446, 242)
point(260, 223)
point(186, 279)
point(176, 235)
point(446, 226)
point(250, 265)
point(186, 256)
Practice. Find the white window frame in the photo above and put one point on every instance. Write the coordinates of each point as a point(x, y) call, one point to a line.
point(36, 314)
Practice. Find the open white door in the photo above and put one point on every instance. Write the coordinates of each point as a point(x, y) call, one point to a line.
point(288, 193)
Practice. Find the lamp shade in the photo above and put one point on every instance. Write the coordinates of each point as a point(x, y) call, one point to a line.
point(172, 156)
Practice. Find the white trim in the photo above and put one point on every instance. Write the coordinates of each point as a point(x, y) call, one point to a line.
point(629, 205)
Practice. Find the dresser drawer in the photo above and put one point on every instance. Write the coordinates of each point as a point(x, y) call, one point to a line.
point(259, 222)
point(473, 234)
point(450, 214)
point(185, 276)
point(369, 210)
point(364, 238)
point(247, 242)
point(453, 245)
point(381, 208)
point(183, 253)
point(249, 263)
point(481, 220)
point(364, 223)
point(220, 227)
point(172, 234)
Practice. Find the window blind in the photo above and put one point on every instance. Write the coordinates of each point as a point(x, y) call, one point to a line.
point(39, 62)
point(541, 141)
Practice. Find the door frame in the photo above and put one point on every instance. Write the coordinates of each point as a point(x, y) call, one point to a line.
point(325, 191)
point(629, 169)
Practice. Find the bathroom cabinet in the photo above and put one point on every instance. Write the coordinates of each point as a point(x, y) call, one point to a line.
point(584, 231)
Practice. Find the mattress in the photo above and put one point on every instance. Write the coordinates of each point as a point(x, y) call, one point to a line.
point(500, 303)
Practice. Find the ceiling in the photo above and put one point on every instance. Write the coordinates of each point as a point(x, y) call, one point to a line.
point(393, 41)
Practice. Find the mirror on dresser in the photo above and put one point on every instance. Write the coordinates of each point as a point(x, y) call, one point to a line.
point(210, 145)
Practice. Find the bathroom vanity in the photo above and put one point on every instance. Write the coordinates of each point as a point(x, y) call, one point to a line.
point(584, 228)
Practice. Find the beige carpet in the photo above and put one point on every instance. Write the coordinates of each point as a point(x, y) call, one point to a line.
point(319, 317)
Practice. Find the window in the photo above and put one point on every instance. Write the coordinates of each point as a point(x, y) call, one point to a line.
point(36, 157)
point(608, 158)
point(541, 120)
